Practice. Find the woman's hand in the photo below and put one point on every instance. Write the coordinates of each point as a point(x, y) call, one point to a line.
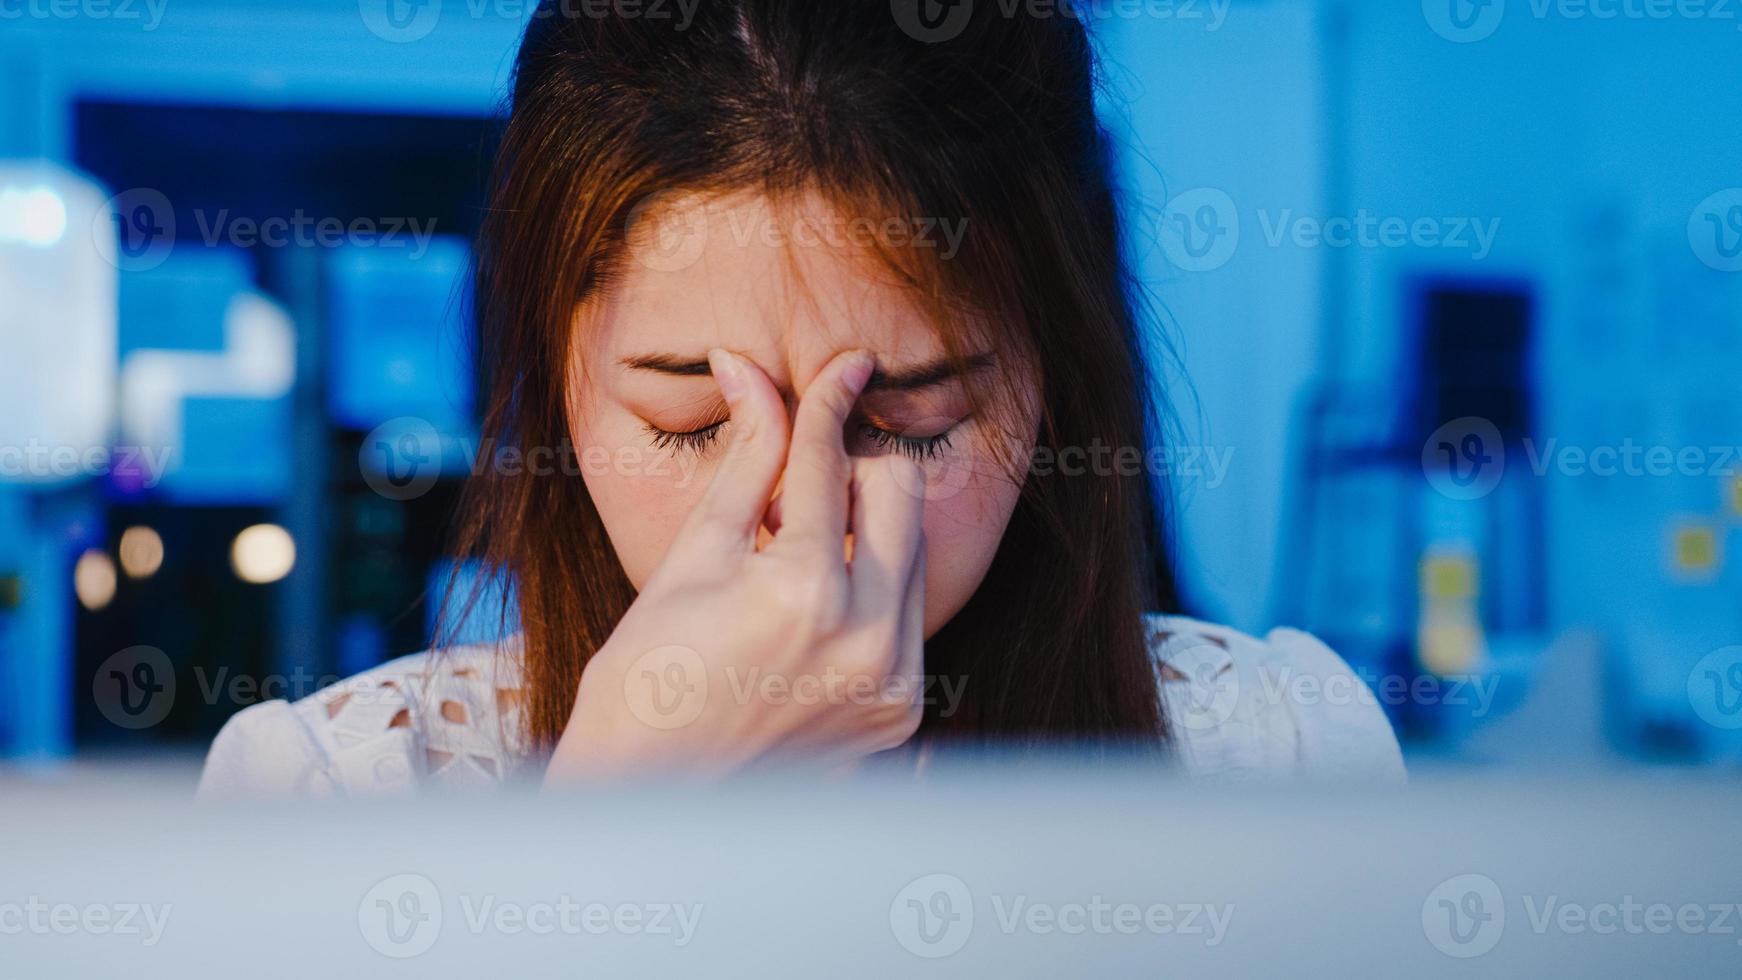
point(732, 654)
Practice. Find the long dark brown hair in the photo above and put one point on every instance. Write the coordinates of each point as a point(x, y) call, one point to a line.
point(993, 126)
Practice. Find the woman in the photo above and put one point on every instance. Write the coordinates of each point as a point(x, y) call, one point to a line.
point(827, 311)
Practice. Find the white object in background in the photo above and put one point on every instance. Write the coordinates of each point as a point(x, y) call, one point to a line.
point(263, 554)
point(258, 362)
point(57, 325)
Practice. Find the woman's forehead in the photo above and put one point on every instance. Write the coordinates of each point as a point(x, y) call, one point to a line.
point(769, 280)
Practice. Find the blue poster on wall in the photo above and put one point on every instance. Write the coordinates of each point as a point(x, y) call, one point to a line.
point(398, 327)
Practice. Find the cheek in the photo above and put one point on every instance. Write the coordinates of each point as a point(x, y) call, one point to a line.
point(642, 494)
point(962, 533)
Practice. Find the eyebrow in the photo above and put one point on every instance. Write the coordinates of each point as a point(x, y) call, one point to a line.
point(915, 378)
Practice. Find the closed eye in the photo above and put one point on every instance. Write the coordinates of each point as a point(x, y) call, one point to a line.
point(917, 448)
point(694, 440)
point(879, 438)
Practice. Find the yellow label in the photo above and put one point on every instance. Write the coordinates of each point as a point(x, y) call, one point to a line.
point(1451, 644)
point(1448, 576)
point(1696, 549)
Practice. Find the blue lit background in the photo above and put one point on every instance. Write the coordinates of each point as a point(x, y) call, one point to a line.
point(1392, 431)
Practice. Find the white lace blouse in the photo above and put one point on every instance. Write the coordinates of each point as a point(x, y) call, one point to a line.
point(1239, 709)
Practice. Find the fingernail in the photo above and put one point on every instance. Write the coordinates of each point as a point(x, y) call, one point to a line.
point(856, 374)
point(728, 373)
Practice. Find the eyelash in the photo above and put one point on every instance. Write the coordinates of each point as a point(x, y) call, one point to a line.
point(929, 447)
point(698, 440)
point(693, 441)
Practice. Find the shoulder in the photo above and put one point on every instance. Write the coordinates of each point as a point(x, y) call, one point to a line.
point(444, 717)
point(1284, 707)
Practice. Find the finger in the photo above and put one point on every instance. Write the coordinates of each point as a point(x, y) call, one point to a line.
point(886, 533)
point(730, 510)
point(814, 493)
point(910, 643)
point(771, 515)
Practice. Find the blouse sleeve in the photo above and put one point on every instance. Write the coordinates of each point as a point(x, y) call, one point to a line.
point(373, 734)
point(1343, 732)
point(263, 750)
point(1286, 707)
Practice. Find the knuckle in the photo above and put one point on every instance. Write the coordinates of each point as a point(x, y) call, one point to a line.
point(902, 726)
point(911, 718)
point(813, 591)
point(864, 660)
point(711, 517)
point(748, 428)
